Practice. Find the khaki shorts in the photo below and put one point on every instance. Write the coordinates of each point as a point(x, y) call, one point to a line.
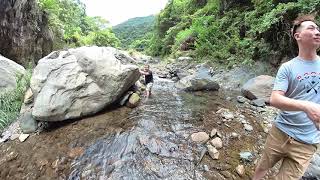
point(149, 86)
point(296, 155)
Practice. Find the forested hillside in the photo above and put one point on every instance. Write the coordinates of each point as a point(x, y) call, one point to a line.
point(73, 28)
point(228, 31)
point(133, 32)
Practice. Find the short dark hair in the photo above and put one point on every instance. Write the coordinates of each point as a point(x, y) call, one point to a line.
point(300, 19)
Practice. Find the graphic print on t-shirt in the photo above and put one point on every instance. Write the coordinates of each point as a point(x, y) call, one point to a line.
point(310, 81)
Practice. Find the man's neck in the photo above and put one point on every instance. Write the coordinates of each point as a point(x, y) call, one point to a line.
point(308, 53)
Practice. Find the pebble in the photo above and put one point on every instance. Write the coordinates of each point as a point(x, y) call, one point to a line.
point(213, 152)
point(240, 170)
point(246, 156)
point(206, 168)
point(213, 132)
point(248, 127)
point(23, 137)
point(200, 137)
point(216, 142)
point(234, 135)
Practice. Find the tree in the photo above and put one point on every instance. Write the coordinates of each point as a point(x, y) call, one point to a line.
point(72, 27)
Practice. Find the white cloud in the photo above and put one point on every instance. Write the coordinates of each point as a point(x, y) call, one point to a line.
point(117, 11)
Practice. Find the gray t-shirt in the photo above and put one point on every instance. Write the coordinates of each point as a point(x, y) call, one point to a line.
point(299, 79)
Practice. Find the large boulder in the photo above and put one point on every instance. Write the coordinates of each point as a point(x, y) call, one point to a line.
point(24, 31)
point(200, 80)
point(79, 82)
point(9, 71)
point(259, 87)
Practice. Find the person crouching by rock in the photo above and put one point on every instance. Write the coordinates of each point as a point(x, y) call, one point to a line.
point(148, 79)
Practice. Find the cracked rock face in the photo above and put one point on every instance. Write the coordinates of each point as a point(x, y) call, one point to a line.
point(24, 33)
point(79, 82)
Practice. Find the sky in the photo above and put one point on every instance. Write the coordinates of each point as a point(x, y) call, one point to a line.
point(118, 11)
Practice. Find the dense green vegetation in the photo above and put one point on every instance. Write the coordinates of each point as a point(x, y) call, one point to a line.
point(73, 28)
point(134, 32)
point(224, 31)
point(11, 100)
point(228, 31)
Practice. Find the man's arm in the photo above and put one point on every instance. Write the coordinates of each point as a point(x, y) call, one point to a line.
point(280, 101)
point(144, 72)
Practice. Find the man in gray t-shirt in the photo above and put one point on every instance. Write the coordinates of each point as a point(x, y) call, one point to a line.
point(295, 133)
point(299, 79)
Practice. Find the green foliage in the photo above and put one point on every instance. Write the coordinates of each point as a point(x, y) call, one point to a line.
point(105, 38)
point(73, 28)
point(229, 31)
point(139, 44)
point(11, 100)
point(272, 17)
point(133, 32)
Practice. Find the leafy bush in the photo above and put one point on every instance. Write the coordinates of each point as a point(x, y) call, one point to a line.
point(73, 28)
point(229, 32)
point(11, 101)
point(105, 38)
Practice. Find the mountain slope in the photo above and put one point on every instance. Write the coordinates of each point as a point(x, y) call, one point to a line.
point(133, 29)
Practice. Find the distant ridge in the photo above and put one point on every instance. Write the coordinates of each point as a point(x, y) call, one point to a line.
point(133, 29)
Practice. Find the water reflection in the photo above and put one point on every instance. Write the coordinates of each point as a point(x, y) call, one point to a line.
point(157, 147)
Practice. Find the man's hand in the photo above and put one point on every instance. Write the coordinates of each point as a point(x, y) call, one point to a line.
point(144, 72)
point(313, 111)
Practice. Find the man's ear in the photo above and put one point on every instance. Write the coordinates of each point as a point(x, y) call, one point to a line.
point(297, 36)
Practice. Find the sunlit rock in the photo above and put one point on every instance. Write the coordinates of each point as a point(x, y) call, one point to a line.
point(9, 71)
point(200, 137)
point(258, 87)
point(79, 82)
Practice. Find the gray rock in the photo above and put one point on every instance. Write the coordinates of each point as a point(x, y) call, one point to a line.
point(200, 137)
point(185, 59)
point(258, 102)
point(258, 87)
point(240, 170)
point(248, 127)
point(206, 168)
point(213, 132)
point(246, 156)
point(27, 123)
point(9, 71)
point(234, 135)
point(216, 142)
point(23, 137)
point(5, 136)
point(194, 83)
point(28, 97)
point(213, 152)
point(241, 99)
point(175, 79)
point(182, 73)
point(313, 171)
point(80, 82)
point(228, 115)
point(200, 80)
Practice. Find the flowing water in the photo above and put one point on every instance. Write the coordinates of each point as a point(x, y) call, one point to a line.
point(151, 141)
point(156, 147)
